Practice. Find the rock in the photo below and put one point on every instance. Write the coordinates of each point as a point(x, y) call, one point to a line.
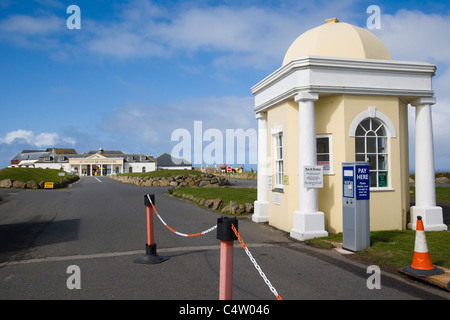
point(147, 183)
point(233, 208)
point(442, 180)
point(249, 207)
point(203, 183)
point(226, 209)
point(209, 203)
point(240, 209)
point(7, 183)
point(19, 184)
point(164, 183)
point(173, 184)
point(216, 204)
point(32, 185)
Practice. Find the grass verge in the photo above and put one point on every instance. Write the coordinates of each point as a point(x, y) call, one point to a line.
point(442, 193)
point(36, 174)
point(395, 248)
point(238, 195)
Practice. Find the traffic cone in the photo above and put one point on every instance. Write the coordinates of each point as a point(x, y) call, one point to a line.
point(421, 264)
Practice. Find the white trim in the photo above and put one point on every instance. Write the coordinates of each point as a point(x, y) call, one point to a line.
point(276, 129)
point(330, 152)
point(377, 189)
point(330, 75)
point(276, 159)
point(373, 113)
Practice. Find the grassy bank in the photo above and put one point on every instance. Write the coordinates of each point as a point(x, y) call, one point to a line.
point(442, 193)
point(33, 174)
point(239, 195)
point(395, 248)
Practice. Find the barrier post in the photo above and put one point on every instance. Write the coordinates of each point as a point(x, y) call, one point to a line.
point(226, 236)
point(151, 257)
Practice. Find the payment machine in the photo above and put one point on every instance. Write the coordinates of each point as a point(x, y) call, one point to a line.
point(355, 205)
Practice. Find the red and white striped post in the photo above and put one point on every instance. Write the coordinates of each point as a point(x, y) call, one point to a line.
point(226, 236)
point(150, 238)
point(151, 257)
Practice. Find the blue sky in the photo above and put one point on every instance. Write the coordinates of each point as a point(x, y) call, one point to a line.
point(138, 69)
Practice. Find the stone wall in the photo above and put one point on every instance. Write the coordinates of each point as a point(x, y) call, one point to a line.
point(8, 183)
point(217, 204)
point(190, 180)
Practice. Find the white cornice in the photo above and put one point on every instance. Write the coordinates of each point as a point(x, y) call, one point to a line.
point(327, 75)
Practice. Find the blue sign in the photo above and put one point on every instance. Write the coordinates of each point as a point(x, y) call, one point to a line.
point(362, 182)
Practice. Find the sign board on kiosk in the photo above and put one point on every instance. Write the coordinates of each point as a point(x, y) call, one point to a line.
point(356, 205)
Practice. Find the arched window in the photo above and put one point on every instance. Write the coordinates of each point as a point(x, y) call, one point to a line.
point(371, 146)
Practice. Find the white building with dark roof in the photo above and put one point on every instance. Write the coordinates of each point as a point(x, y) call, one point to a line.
point(99, 162)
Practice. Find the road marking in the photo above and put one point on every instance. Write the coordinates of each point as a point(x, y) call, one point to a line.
point(126, 253)
point(98, 179)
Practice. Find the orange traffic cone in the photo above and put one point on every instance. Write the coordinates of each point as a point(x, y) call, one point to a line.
point(421, 264)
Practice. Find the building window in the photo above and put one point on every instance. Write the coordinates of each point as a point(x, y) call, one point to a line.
point(143, 169)
point(371, 147)
point(130, 170)
point(324, 155)
point(279, 165)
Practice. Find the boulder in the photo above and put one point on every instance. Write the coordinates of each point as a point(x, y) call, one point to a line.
point(249, 207)
point(226, 209)
point(442, 180)
point(234, 208)
point(209, 203)
point(32, 185)
point(237, 211)
point(164, 183)
point(7, 183)
point(203, 183)
point(216, 204)
point(19, 184)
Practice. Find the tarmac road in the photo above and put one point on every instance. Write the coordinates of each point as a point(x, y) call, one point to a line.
point(99, 225)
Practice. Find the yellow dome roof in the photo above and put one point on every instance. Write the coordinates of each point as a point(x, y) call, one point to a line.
point(338, 39)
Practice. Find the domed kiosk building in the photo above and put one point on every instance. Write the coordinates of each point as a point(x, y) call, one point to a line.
point(339, 97)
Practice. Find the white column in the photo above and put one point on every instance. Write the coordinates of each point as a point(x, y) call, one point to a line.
point(261, 210)
point(309, 222)
point(81, 170)
point(425, 205)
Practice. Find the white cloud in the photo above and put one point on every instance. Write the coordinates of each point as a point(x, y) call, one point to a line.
point(151, 126)
point(243, 35)
point(416, 36)
point(32, 31)
point(43, 139)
